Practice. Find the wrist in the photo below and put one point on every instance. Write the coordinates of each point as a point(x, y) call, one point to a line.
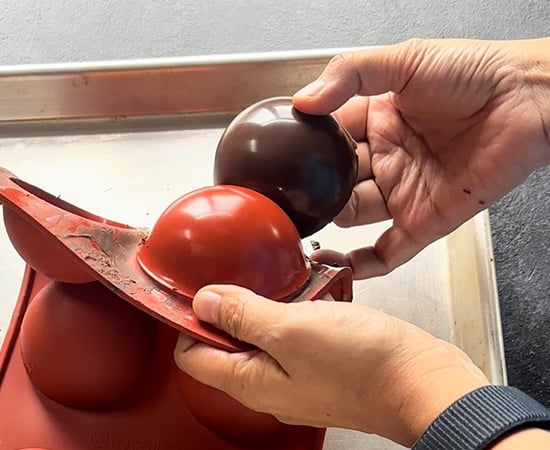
point(484, 418)
point(426, 378)
point(432, 397)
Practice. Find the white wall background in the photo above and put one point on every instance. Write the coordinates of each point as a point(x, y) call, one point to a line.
point(36, 31)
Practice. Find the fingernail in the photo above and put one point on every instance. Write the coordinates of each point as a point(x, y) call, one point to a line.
point(184, 343)
point(206, 305)
point(312, 89)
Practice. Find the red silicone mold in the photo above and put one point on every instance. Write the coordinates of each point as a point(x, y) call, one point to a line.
point(152, 416)
point(48, 232)
point(87, 362)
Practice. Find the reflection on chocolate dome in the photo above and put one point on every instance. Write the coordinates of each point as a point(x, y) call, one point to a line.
point(306, 164)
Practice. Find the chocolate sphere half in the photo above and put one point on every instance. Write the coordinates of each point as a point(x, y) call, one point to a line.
point(306, 164)
point(225, 234)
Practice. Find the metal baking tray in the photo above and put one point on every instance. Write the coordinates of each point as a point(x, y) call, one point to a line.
point(123, 139)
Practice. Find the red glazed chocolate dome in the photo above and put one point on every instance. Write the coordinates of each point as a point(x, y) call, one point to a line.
point(306, 164)
point(225, 234)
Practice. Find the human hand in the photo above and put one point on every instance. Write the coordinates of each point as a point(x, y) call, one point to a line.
point(327, 363)
point(445, 128)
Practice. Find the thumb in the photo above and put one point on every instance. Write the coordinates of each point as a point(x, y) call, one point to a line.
point(369, 72)
point(239, 312)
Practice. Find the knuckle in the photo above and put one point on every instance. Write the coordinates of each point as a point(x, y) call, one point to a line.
point(410, 47)
point(286, 332)
point(345, 67)
point(349, 214)
point(243, 381)
point(413, 43)
point(269, 337)
point(342, 62)
point(233, 314)
point(338, 60)
point(410, 52)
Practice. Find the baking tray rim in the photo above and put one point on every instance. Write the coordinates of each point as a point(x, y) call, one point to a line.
point(175, 61)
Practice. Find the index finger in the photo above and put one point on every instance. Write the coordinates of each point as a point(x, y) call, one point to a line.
point(392, 249)
point(370, 72)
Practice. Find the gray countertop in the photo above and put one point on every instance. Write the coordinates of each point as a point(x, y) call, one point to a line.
point(521, 237)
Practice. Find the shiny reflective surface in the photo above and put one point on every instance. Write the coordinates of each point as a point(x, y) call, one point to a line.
point(225, 416)
point(83, 347)
point(225, 234)
point(40, 250)
point(306, 164)
point(37, 248)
